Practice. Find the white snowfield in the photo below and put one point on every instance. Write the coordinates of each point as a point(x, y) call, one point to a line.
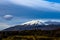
point(42, 22)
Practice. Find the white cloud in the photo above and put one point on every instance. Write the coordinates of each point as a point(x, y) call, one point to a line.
point(38, 4)
point(8, 17)
point(4, 26)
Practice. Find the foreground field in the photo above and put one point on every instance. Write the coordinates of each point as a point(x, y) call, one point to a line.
point(30, 35)
point(30, 38)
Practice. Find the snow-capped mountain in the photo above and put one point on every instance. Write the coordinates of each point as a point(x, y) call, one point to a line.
point(42, 22)
point(36, 24)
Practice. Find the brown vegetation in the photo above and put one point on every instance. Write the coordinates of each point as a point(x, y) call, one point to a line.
point(31, 34)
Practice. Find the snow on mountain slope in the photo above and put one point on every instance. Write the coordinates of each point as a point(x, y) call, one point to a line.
point(42, 22)
point(36, 24)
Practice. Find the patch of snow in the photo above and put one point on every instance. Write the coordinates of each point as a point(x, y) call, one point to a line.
point(41, 22)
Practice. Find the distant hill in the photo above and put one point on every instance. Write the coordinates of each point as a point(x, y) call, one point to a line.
point(32, 27)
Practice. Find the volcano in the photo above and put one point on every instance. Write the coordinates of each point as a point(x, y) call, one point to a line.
point(36, 25)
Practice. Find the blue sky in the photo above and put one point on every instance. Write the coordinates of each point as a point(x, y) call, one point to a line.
point(57, 1)
point(25, 10)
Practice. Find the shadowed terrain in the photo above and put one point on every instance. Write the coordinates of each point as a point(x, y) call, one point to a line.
point(30, 35)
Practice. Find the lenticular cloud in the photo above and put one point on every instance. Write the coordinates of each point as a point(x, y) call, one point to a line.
point(8, 17)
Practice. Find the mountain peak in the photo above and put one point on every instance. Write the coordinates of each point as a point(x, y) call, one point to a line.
point(37, 24)
point(42, 22)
